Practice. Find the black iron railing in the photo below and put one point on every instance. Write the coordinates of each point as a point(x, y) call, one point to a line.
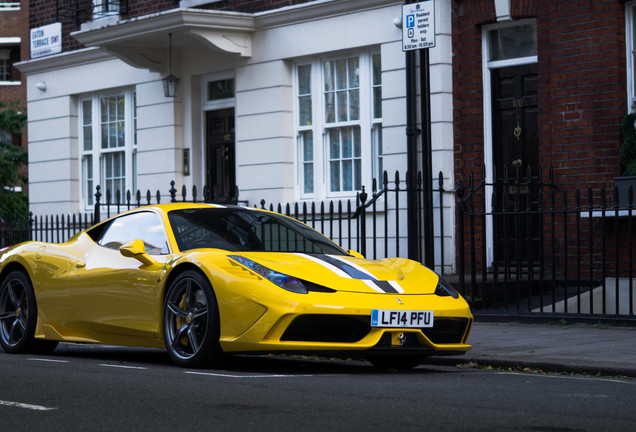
point(79, 11)
point(517, 247)
point(528, 248)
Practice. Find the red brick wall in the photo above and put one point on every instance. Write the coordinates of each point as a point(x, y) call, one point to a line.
point(582, 86)
point(44, 12)
point(582, 89)
point(15, 24)
point(252, 6)
point(468, 112)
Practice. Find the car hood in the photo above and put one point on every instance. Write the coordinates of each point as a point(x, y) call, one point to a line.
point(348, 273)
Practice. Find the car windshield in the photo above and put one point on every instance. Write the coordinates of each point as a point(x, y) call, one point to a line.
point(240, 229)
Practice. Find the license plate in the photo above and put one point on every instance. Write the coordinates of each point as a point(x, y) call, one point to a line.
point(401, 318)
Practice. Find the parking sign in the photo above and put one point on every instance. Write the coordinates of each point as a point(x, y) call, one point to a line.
point(418, 25)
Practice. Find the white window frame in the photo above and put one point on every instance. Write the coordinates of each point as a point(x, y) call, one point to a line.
point(100, 5)
point(96, 154)
point(630, 45)
point(9, 6)
point(10, 43)
point(320, 128)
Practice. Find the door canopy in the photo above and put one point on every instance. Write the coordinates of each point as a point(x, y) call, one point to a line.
point(143, 42)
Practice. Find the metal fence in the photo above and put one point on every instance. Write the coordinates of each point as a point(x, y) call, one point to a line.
point(529, 247)
point(522, 246)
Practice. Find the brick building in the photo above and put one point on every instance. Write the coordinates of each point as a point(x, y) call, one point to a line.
point(560, 71)
point(301, 101)
point(14, 47)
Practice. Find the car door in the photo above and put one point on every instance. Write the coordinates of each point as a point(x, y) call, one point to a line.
point(117, 296)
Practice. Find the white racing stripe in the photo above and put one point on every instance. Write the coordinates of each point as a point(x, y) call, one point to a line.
point(325, 264)
point(355, 266)
point(350, 270)
point(373, 286)
point(397, 286)
point(25, 406)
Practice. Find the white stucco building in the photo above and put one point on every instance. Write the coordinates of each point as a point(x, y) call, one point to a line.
point(300, 103)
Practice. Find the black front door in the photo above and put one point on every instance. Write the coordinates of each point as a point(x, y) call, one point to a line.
point(221, 162)
point(515, 150)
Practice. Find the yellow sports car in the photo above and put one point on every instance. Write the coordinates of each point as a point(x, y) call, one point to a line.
point(205, 281)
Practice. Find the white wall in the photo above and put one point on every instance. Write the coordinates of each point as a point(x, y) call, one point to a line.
point(264, 103)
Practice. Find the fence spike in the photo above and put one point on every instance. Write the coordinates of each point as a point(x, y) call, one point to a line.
point(173, 192)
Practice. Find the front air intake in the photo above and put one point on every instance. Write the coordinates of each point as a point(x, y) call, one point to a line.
point(327, 328)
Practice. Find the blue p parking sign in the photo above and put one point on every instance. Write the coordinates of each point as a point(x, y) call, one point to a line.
point(410, 21)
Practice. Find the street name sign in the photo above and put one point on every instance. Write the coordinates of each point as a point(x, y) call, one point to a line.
point(46, 40)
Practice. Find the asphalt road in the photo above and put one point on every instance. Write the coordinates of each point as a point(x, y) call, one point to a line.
point(82, 388)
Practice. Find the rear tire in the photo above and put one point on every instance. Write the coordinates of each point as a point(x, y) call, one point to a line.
point(191, 326)
point(19, 316)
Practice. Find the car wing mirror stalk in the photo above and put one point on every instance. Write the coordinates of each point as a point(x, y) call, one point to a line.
point(136, 249)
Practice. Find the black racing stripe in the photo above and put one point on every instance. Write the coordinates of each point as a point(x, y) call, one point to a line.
point(348, 269)
point(386, 287)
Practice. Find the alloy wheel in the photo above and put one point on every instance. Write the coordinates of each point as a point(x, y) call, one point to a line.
point(14, 312)
point(186, 318)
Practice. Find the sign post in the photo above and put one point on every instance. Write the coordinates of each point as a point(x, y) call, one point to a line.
point(418, 33)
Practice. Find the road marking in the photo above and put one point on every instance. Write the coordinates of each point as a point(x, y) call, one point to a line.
point(582, 378)
point(243, 376)
point(123, 366)
point(26, 406)
point(48, 360)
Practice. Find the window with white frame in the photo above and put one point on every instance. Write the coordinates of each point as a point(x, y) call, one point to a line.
point(9, 55)
point(108, 140)
point(630, 39)
point(104, 8)
point(9, 5)
point(339, 124)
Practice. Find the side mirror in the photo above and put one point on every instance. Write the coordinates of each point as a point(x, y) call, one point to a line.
point(355, 254)
point(136, 249)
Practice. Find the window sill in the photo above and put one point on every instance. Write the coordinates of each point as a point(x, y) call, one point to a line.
point(10, 83)
point(193, 3)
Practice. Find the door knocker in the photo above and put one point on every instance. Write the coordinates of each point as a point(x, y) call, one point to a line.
point(517, 131)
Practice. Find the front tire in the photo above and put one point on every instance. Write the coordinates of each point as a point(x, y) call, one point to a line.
point(19, 316)
point(191, 322)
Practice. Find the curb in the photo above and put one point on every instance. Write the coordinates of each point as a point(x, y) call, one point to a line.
point(552, 367)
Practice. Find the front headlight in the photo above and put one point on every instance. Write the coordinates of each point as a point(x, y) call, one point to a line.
point(284, 281)
point(444, 289)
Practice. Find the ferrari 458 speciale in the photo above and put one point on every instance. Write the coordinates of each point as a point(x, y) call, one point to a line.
point(206, 281)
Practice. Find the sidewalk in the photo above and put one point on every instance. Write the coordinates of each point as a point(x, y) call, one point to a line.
point(579, 348)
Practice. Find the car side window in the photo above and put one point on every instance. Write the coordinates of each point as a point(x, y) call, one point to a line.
point(145, 226)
